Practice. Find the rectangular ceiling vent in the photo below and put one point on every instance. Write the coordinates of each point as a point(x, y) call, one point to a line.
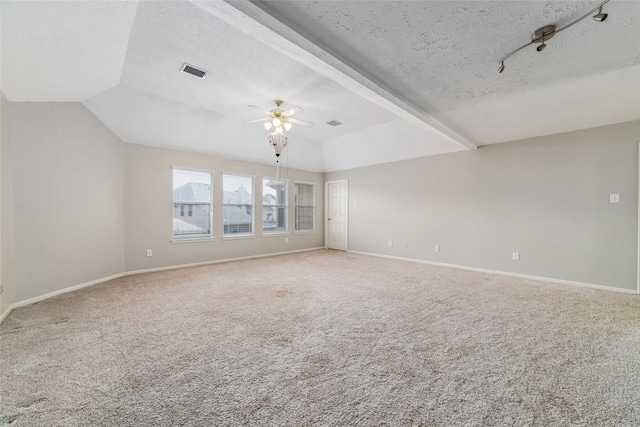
point(334, 123)
point(189, 69)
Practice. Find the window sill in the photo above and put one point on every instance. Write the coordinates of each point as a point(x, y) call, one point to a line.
point(239, 237)
point(305, 232)
point(193, 240)
point(279, 234)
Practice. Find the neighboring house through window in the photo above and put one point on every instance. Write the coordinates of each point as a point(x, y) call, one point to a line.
point(305, 206)
point(274, 205)
point(192, 195)
point(237, 204)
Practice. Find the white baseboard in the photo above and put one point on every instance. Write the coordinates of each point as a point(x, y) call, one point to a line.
point(217, 261)
point(131, 273)
point(64, 291)
point(196, 264)
point(503, 273)
point(53, 294)
point(6, 313)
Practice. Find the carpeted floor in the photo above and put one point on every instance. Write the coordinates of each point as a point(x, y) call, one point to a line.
point(323, 338)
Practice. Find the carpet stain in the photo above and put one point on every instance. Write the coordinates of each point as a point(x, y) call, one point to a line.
point(562, 405)
point(33, 402)
point(283, 341)
point(282, 293)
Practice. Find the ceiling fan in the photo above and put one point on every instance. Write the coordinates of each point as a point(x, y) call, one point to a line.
point(278, 118)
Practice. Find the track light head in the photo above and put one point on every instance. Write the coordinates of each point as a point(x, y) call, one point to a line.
point(501, 68)
point(541, 47)
point(600, 16)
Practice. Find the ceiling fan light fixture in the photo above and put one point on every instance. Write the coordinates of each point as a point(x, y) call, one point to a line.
point(279, 141)
point(278, 123)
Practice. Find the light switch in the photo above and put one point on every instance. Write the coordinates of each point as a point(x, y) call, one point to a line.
point(614, 198)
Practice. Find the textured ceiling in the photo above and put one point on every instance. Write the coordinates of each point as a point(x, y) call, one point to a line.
point(406, 78)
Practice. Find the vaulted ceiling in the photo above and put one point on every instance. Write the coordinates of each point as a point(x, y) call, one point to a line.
point(405, 78)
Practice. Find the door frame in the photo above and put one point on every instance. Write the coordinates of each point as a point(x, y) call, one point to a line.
point(326, 211)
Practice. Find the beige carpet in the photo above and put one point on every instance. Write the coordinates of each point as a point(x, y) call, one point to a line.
point(323, 338)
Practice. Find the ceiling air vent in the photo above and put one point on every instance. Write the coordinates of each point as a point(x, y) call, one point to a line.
point(334, 123)
point(186, 68)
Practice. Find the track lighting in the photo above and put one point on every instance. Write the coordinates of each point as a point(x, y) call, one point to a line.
point(600, 16)
point(541, 35)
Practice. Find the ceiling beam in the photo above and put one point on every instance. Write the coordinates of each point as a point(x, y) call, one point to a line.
point(258, 23)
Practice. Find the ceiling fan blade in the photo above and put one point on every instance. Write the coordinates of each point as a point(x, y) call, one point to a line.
point(262, 110)
point(248, 122)
point(300, 122)
point(293, 110)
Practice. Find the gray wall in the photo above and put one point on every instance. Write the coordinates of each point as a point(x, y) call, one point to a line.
point(79, 205)
point(149, 207)
point(6, 209)
point(546, 198)
point(67, 198)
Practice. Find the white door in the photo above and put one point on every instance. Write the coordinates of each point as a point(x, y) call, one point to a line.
point(337, 214)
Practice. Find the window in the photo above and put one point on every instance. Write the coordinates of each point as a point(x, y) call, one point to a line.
point(191, 189)
point(305, 206)
point(274, 205)
point(237, 204)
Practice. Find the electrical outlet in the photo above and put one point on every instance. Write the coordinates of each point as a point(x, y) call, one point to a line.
point(436, 248)
point(515, 256)
point(614, 198)
point(286, 240)
point(390, 243)
point(149, 252)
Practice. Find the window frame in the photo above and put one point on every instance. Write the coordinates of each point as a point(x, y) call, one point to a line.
point(285, 207)
point(252, 233)
point(184, 212)
point(296, 205)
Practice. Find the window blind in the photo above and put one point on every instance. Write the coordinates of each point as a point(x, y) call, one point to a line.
point(274, 205)
point(305, 204)
point(192, 196)
point(237, 204)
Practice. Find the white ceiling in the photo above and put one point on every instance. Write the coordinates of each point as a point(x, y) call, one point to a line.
point(406, 78)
